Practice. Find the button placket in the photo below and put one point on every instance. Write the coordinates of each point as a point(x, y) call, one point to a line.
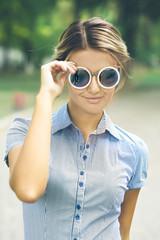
point(82, 162)
point(80, 191)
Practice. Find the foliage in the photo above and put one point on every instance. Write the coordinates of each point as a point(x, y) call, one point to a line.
point(18, 23)
point(130, 15)
point(34, 27)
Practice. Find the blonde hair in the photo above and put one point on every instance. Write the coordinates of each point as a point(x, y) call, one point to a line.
point(95, 33)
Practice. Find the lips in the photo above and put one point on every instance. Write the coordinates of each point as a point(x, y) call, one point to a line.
point(93, 99)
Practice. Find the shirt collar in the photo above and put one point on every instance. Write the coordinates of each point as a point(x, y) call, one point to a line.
point(107, 125)
point(61, 120)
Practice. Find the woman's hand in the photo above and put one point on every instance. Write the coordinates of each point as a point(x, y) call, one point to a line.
point(53, 77)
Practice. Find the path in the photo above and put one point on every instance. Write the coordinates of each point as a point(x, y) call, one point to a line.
point(136, 112)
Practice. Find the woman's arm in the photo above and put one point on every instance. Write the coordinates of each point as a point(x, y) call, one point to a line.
point(29, 164)
point(127, 211)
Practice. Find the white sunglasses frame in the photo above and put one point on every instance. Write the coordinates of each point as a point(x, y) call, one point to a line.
point(91, 74)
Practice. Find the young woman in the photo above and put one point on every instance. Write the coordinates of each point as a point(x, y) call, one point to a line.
point(77, 174)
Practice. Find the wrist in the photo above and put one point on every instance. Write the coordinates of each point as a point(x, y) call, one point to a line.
point(45, 98)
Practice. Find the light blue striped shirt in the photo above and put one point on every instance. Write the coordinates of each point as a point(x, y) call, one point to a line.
point(87, 181)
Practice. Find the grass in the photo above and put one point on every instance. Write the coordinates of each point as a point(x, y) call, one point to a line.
point(20, 82)
point(12, 84)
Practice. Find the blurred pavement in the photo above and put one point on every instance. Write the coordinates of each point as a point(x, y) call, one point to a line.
point(136, 112)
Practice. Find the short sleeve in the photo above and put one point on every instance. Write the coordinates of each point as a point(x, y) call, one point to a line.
point(141, 165)
point(16, 135)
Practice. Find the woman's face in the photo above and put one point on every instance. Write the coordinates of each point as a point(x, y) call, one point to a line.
point(94, 98)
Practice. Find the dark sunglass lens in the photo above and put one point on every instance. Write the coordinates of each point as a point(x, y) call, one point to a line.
point(108, 77)
point(80, 78)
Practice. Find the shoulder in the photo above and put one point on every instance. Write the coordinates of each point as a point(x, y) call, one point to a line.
point(16, 134)
point(25, 121)
point(19, 126)
point(20, 123)
point(136, 146)
point(136, 152)
point(133, 140)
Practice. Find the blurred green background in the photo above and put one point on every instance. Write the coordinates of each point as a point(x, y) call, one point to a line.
point(30, 30)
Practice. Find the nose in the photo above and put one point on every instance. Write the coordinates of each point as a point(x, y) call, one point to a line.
point(93, 86)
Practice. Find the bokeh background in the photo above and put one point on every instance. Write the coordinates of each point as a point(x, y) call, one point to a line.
point(29, 32)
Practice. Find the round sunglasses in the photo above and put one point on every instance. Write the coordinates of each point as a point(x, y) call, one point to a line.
point(107, 77)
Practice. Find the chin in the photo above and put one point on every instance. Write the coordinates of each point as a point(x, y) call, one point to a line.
point(93, 109)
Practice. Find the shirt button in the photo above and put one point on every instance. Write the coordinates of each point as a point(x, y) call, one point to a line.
point(84, 157)
point(77, 217)
point(81, 172)
point(78, 207)
point(87, 146)
point(81, 147)
point(81, 184)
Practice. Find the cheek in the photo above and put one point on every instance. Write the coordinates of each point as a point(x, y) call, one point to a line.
point(108, 96)
point(109, 92)
point(74, 93)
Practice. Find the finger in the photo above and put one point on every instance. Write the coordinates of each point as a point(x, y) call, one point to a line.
point(71, 68)
point(55, 66)
point(68, 66)
point(58, 65)
point(72, 64)
point(63, 77)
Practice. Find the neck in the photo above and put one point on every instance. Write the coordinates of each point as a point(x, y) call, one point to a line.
point(85, 121)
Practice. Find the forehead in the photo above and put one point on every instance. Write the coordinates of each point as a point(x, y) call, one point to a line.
point(92, 59)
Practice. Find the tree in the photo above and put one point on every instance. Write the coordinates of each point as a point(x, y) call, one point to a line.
point(130, 12)
point(28, 25)
point(18, 21)
point(90, 5)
